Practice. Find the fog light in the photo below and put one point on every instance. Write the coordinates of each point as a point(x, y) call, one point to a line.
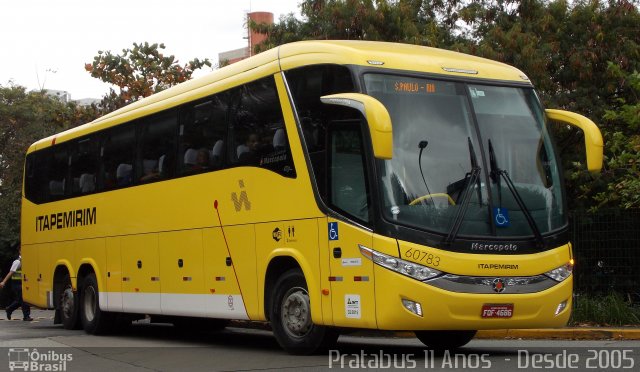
point(561, 306)
point(412, 306)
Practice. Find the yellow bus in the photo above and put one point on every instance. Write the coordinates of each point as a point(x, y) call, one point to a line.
point(320, 186)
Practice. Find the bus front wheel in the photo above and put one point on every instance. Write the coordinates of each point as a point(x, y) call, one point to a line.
point(94, 320)
point(445, 340)
point(290, 316)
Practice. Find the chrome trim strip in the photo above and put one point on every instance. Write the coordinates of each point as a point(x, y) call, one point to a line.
point(486, 284)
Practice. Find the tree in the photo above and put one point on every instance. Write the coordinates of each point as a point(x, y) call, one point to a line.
point(26, 117)
point(139, 72)
point(430, 23)
point(623, 162)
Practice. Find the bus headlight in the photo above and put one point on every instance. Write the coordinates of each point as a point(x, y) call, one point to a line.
point(561, 273)
point(410, 269)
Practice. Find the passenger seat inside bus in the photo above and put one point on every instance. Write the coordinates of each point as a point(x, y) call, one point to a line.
point(190, 157)
point(279, 140)
point(123, 174)
point(216, 154)
point(87, 183)
point(56, 187)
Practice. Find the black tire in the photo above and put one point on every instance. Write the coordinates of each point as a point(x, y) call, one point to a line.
point(68, 306)
point(94, 320)
point(290, 317)
point(445, 340)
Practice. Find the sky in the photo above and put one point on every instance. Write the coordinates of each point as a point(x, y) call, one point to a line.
point(46, 43)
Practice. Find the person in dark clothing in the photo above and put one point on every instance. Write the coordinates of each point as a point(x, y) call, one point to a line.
point(15, 274)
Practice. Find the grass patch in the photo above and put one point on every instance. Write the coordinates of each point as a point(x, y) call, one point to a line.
point(606, 310)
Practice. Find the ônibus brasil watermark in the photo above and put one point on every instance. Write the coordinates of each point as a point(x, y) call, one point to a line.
point(30, 359)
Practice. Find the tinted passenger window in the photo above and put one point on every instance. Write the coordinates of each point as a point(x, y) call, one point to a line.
point(348, 189)
point(202, 135)
point(84, 166)
point(307, 85)
point(35, 180)
point(56, 170)
point(118, 154)
point(258, 134)
point(157, 147)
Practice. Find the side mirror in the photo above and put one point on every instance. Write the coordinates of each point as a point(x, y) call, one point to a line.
point(592, 136)
point(377, 116)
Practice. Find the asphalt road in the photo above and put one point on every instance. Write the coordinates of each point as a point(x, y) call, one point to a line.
point(40, 345)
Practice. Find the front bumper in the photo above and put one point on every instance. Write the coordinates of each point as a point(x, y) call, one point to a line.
point(446, 310)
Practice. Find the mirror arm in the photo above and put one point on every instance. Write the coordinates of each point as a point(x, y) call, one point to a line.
point(377, 116)
point(592, 137)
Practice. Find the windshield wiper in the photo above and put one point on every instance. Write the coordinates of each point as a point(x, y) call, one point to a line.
point(497, 173)
point(422, 145)
point(473, 177)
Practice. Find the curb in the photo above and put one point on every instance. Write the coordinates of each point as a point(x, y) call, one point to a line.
point(562, 334)
point(568, 333)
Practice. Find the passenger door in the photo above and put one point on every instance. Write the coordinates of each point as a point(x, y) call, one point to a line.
point(351, 275)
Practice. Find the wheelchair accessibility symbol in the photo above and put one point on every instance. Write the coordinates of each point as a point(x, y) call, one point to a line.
point(333, 231)
point(501, 217)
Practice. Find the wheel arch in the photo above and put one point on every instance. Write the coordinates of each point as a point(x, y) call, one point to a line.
point(282, 261)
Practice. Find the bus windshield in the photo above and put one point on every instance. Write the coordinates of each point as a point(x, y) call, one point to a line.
point(468, 159)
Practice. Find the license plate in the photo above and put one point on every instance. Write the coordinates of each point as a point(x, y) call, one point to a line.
point(497, 310)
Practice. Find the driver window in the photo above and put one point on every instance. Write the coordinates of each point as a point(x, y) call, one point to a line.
point(348, 189)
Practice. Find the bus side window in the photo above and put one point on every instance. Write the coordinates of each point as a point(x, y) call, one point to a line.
point(203, 128)
point(257, 131)
point(35, 177)
point(307, 85)
point(157, 147)
point(348, 189)
point(84, 164)
point(57, 171)
point(117, 154)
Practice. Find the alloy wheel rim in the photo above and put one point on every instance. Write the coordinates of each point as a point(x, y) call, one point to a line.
point(67, 303)
point(296, 313)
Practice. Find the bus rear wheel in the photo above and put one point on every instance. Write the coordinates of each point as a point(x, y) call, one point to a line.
point(290, 316)
point(68, 306)
point(445, 340)
point(94, 320)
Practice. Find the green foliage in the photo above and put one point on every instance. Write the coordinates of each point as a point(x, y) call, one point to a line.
point(24, 118)
point(622, 165)
point(139, 72)
point(612, 309)
point(406, 21)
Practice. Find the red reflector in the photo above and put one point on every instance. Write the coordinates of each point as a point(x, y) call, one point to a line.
point(335, 278)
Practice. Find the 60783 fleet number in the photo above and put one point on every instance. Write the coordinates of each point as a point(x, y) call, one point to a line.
point(421, 256)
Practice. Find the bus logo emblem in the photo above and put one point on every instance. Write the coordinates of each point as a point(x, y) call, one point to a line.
point(498, 285)
point(230, 302)
point(277, 234)
point(242, 200)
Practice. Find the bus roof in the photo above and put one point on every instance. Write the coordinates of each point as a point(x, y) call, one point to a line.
point(372, 54)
